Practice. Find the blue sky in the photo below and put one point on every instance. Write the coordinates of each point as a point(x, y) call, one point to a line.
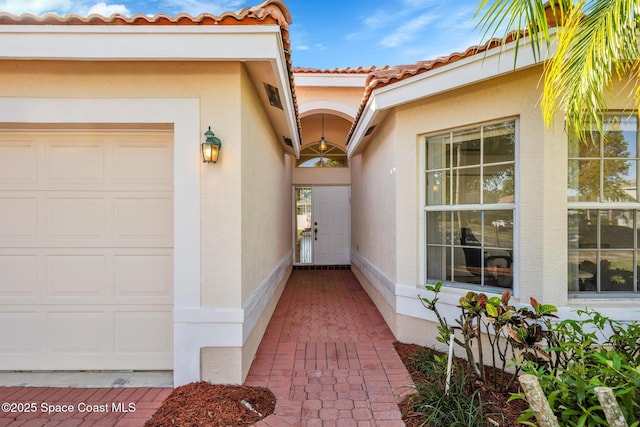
point(324, 34)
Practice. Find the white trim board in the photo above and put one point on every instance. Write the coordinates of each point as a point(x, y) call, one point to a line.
point(148, 42)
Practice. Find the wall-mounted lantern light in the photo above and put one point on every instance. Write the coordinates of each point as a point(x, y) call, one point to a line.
point(211, 147)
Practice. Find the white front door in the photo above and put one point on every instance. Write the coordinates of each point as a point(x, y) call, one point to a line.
point(323, 234)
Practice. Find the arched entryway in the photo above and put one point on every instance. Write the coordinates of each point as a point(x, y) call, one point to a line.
point(321, 191)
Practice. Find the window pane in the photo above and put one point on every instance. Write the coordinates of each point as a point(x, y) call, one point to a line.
point(498, 184)
point(573, 222)
point(467, 265)
point(589, 146)
point(583, 274)
point(467, 228)
point(466, 147)
point(583, 228)
point(499, 142)
point(438, 152)
point(303, 225)
point(466, 186)
point(620, 136)
point(438, 262)
point(616, 272)
point(498, 229)
point(617, 229)
point(584, 181)
point(438, 228)
point(620, 180)
point(437, 188)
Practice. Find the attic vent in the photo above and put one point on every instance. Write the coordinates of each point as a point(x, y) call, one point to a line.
point(370, 130)
point(273, 95)
point(288, 141)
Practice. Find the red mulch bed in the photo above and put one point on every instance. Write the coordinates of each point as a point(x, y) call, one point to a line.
point(205, 404)
point(498, 402)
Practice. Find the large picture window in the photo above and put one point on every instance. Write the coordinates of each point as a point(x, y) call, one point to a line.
point(470, 202)
point(604, 208)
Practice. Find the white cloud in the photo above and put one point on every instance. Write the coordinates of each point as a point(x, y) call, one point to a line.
point(108, 10)
point(407, 32)
point(196, 7)
point(302, 47)
point(36, 7)
point(62, 7)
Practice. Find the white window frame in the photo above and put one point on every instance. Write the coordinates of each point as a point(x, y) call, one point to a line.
point(605, 206)
point(513, 207)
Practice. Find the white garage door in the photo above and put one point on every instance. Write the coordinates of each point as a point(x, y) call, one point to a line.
point(86, 249)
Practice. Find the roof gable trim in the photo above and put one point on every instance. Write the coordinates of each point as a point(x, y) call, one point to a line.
point(480, 67)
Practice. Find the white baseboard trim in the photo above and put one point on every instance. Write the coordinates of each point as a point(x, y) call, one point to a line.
point(383, 283)
point(195, 328)
point(258, 301)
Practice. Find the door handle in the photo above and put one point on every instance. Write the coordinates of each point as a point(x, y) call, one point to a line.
point(315, 233)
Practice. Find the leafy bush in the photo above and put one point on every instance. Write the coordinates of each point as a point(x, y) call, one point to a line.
point(570, 358)
point(505, 328)
point(594, 351)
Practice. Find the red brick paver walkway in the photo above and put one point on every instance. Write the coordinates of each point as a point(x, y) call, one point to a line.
point(86, 407)
point(328, 356)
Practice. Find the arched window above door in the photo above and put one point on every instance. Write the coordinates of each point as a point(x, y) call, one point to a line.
point(312, 157)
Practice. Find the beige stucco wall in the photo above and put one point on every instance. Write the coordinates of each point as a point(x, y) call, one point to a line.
point(389, 173)
point(265, 194)
point(374, 189)
point(387, 183)
point(538, 156)
point(321, 176)
point(217, 85)
point(245, 198)
point(348, 96)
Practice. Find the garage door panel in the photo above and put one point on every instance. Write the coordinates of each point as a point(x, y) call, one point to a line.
point(86, 249)
point(18, 275)
point(76, 332)
point(19, 332)
point(76, 218)
point(139, 332)
point(76, 275)
point(18, 162)
point(157, 161)
point(143, 218)
point(74, 163)
point(143, 275)
point(18, 218)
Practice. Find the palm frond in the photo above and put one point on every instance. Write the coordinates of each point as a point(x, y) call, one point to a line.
point(598, 40)
point(513, 16)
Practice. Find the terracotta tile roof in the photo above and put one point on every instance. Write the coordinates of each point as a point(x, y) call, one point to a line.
point(270, 12)
point(345, 70)
point(383, 76)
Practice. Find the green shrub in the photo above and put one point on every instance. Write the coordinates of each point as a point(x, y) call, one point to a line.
point(458, 407)
point(570, 357)
point(583, 354)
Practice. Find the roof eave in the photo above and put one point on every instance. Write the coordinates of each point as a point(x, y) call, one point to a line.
point(242, 43)
point(483, 66)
